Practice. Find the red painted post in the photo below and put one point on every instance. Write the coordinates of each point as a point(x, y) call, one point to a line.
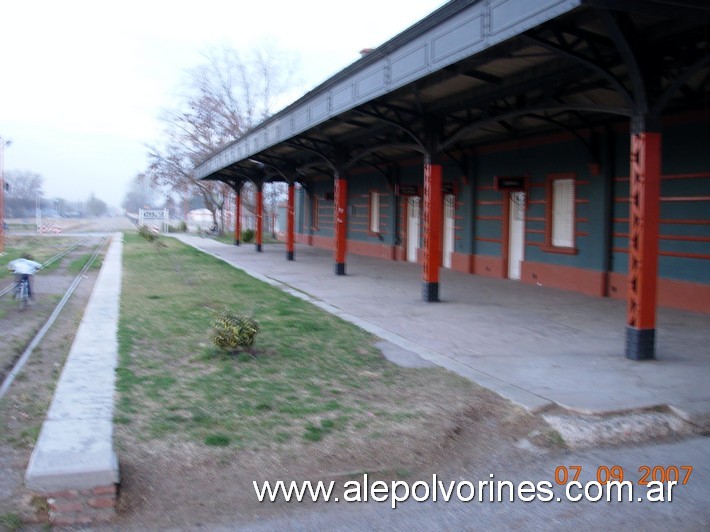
point(340, 211)
point(290, 247)
point(237, 217)
point(645, 185)
point(3, 143)
point(432, 230)
point(2, 209)
point(259, 216)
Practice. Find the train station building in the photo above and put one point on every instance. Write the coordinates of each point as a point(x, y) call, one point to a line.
point(559, 143)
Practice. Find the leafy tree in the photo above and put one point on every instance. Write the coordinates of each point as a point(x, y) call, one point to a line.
point(95, 207)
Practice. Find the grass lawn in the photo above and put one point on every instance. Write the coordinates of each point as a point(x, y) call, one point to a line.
point(313, 376)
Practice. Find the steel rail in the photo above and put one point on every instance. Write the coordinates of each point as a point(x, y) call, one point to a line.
point(49, 261)
point(20, 363)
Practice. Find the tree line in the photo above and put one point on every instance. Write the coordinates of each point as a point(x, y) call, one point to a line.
point(24, 194)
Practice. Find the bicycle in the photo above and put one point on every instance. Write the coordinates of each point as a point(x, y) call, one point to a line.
point(208, 232)
point(22, 292)
point(23, 268)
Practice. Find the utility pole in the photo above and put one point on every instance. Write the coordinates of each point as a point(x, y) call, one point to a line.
point(3, 143)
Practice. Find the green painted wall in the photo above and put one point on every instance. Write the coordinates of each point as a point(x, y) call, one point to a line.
point(601, 206)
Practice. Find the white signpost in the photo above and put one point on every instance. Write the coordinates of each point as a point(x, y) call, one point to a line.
point(153, 218)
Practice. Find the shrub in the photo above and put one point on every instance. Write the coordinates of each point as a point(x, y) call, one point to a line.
point(248, 236)
point(232, 332)
point(147, 233)
point(217, 440)
point(151, 235)
point(179, 228)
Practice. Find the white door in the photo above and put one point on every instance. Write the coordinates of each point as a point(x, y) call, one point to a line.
point(516, 235)
point(412, 228)
point(448, 244)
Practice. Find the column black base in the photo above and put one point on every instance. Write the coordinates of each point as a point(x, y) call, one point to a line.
point(640, 343)
point(237, 243)
point(430, 292)
point(339, 268)
point(289, 255)
point(258, 248)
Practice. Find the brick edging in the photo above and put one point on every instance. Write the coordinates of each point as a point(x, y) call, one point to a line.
point(71, 507)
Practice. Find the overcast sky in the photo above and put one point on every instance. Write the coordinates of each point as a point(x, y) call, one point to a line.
point(82, 82)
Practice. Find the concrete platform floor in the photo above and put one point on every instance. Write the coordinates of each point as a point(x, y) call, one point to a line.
point(537, 346)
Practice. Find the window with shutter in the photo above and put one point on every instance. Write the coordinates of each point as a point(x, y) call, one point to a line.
point(560, 214)
point(314, 212)
point(375, 212)
point(563, 213)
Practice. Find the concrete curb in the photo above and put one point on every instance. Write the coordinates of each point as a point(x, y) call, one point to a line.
point(74, 450)
point(696, 413)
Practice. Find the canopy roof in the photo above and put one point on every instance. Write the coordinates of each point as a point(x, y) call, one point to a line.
point(475, 72)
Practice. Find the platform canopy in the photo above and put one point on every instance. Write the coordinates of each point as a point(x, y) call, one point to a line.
point(479, 71)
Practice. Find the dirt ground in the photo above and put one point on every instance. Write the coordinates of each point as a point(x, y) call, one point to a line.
point(23, 408)
point(174, 484)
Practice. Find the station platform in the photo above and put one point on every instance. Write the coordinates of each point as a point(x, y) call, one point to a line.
point(539, 347)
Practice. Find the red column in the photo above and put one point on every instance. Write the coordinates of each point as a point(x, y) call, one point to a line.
point(432, 230)
point(259, 216)
point(237, 217)
point(2, 208)
point(290, 247)
point(340, 215)
point(645, 185)
point(3, 143)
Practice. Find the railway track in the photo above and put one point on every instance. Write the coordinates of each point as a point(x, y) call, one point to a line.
point(9, 372)
point(49, 262)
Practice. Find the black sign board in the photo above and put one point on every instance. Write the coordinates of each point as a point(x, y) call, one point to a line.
point(508, 182)
point(408, 190)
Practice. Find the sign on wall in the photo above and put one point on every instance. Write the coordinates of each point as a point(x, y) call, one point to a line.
point(510, 182)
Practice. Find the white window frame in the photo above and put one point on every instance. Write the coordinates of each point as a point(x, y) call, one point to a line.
point(563, 196)
point(561, 213)
point(374, 212)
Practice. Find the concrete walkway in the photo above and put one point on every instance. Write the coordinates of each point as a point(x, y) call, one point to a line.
point(539, 347)
point(74, 451)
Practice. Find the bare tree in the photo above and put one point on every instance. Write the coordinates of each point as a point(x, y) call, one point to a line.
point(222, 99)
point(24, 185)
point(173, 169)
point(24, 188)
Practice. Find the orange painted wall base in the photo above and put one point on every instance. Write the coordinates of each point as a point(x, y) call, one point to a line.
point(588, 282)
point(488, 266)
point(694, 297)
point(681, 295)
point(461, 262)
point(400, 253)
point(324, 242)
point(379, 251)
